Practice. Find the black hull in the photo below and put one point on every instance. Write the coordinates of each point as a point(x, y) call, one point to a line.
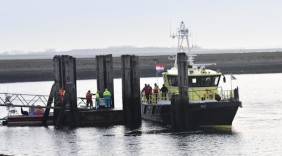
point(214, 113)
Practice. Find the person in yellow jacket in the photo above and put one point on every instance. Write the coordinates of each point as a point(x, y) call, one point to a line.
point(107, 98)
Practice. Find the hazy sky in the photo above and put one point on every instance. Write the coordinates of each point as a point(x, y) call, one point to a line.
point(37, 25)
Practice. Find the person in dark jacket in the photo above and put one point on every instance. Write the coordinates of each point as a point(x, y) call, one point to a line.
point(164, 91)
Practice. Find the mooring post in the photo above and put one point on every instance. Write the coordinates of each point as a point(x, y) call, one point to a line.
point(131, 89)
point(135, 85)
point(71, 87)
point(57, 81)
point(126, 89)
point(104, 70)
point(64, 74)
point(63, 80)
point(174, 100)
point(62, 111)
point(71, 99)
point(109, 78)
point(100, 74)
point(181, 102)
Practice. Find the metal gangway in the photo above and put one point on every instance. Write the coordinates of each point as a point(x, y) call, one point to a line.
point(33, 100)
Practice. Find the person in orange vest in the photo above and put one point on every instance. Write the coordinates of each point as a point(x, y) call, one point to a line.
point(156, 91)
point(89, 99)
point(62, 94)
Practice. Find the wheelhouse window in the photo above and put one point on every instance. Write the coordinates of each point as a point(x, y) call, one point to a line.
point(215, 80)
point(203, 81)
point(196, 81)
point(172, 80)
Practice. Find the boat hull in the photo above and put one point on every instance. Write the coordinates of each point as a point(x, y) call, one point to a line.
point(199, 114)
point(21, 120)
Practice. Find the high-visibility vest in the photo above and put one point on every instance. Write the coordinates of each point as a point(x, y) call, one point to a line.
point(62, 92)
point(106, 93)
point(156, 89)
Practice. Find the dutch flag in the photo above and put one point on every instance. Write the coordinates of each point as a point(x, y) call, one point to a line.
point(159, 68)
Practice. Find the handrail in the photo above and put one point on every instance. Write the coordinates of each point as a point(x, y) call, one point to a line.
point(225, 95)
point(24, 100)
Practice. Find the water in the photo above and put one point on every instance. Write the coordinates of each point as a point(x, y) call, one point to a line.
point(256, 130)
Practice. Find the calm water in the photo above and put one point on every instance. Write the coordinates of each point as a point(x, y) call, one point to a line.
point(256, 130)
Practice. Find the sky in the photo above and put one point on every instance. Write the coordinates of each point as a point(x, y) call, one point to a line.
point(39, 25)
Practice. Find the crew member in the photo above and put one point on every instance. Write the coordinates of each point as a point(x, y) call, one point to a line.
point(164, 91)
point(107, 98)
point(146, 91)
point(62, 94)
point(156, 91)
point(89, 99)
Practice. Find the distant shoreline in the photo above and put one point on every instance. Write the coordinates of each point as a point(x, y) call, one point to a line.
point(235, 63)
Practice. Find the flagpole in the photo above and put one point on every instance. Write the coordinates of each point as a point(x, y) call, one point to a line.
point(157, 79)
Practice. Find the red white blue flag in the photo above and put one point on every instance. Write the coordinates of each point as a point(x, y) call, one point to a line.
point(159, 68)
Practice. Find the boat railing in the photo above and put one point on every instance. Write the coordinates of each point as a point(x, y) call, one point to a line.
point(229, 95)
point(81, 101)
point(225, 95)
point(155, 97)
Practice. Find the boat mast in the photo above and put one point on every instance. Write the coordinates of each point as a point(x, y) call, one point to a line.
point(182, 34)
